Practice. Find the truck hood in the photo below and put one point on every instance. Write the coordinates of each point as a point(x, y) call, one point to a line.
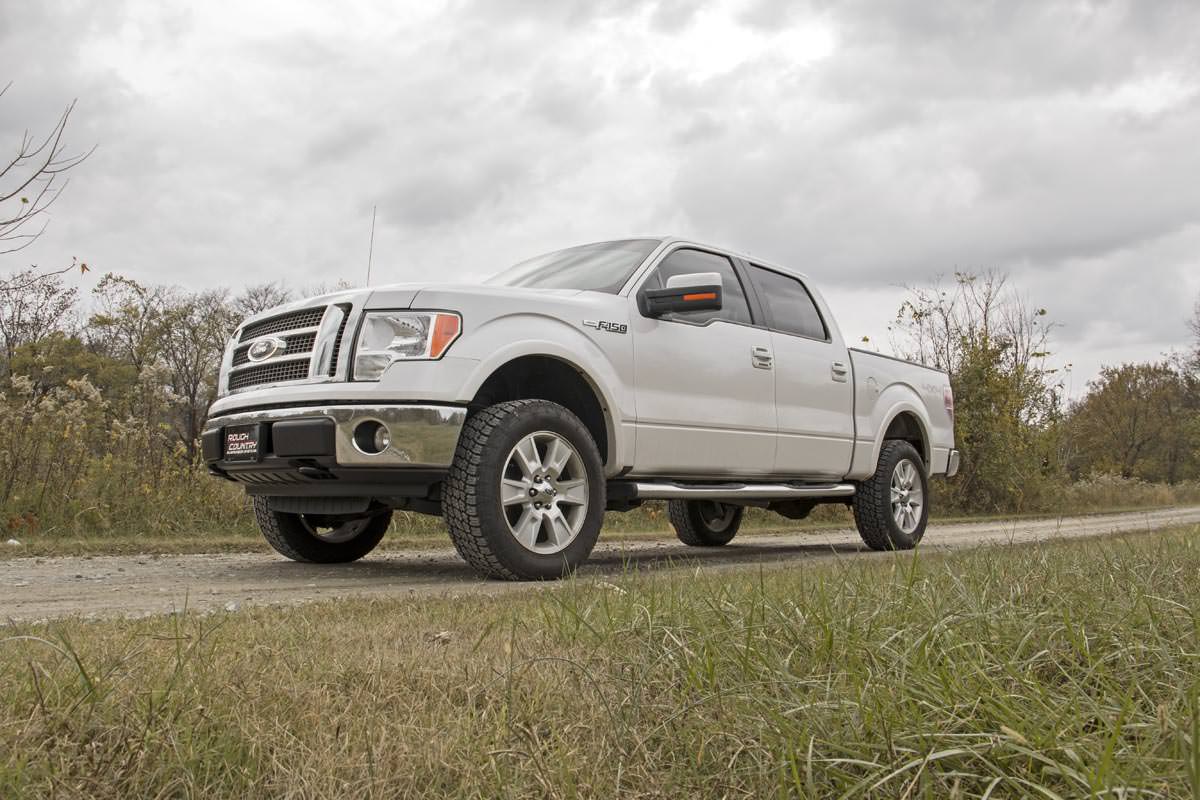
point(405, 295)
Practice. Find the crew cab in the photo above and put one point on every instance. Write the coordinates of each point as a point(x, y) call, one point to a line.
point(588, 379)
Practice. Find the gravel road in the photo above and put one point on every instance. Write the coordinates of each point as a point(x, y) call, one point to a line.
point(102, 586)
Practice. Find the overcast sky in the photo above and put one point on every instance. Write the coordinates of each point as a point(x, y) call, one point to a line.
point(870, 145)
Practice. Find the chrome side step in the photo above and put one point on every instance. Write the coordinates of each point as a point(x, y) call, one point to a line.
point(644, 490)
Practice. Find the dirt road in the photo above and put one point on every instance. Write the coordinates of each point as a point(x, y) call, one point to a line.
point(45, 588)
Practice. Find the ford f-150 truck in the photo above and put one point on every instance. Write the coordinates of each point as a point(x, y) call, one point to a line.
point(584, 380)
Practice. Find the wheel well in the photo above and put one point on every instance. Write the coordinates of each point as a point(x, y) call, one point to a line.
point(546, 378)
point(906, 427)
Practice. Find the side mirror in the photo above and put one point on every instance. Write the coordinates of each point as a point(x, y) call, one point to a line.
point(697, 291)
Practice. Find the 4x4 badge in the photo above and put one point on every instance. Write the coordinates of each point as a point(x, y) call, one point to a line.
point(611, 327)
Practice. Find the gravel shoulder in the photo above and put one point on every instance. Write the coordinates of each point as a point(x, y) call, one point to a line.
point(106, 586)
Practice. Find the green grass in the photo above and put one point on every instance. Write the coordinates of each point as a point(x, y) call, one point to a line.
point(1066, 670)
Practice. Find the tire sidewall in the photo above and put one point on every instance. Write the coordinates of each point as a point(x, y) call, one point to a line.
point(705, 532)
point(492, 521)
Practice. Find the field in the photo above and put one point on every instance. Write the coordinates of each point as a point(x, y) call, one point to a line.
point(1055, 670)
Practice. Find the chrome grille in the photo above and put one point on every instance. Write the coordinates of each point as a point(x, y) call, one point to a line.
point(296, 345)
point(293, 362)
point(293, 320)
point(269, 372)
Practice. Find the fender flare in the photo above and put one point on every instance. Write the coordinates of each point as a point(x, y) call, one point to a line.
point(903, 406)
point(600, 375)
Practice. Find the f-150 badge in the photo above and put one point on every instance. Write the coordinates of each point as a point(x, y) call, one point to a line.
point(611, 327)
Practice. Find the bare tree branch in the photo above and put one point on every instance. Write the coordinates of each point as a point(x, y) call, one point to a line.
point(32, 180)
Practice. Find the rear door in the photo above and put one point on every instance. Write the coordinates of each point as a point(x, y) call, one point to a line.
point(814, 401)
point(704, 388)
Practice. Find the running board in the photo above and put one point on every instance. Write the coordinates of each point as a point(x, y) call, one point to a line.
point(737, 491)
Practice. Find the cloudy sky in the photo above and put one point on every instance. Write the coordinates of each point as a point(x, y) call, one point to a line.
point(869, 144)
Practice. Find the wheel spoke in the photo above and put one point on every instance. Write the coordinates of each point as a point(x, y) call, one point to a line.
point(573, 492)
point(527, 527)
point(527, 457)
point(557, 456)
point(513, 492)
point(560, 529)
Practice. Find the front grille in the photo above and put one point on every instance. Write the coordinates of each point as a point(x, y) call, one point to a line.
point(305, 318)
point(296, 345)
point(271, 372)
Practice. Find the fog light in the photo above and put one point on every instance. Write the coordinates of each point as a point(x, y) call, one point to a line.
point(371, 437)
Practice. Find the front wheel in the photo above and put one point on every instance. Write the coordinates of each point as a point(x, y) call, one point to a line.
point(891, 507)
point(524, 499)
point(320, 538)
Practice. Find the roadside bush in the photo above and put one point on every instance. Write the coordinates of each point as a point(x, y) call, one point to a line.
point(67, 467)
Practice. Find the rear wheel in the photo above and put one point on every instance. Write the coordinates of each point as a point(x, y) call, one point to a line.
point(320, 538)
point(891, 508)
point(704, 523)
point(524, 499)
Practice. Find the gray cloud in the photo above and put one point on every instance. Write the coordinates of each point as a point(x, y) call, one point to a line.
point(870, 145)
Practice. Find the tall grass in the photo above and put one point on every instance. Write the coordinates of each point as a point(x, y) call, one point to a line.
point(1070, 670)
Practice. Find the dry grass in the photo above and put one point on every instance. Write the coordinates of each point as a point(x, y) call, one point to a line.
point(1059, 671)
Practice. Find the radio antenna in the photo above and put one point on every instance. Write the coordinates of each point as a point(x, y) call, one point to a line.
point(371, 244)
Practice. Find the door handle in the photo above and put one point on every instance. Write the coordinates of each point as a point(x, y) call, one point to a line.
point(761, 357)
point(840, 371)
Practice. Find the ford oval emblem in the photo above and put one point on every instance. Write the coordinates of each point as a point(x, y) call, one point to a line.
point(266, 348)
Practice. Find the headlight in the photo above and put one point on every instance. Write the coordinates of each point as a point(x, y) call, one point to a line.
point(388, 336)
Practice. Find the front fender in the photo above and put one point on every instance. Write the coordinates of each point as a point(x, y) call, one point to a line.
point(532, 334)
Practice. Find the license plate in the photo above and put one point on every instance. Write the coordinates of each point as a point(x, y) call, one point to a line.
point(241, 442)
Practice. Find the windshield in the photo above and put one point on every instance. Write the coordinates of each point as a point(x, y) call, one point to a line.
point(599, 267)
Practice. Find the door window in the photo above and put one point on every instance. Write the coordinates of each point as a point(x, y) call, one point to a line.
point(734, 307)
point(790, 308)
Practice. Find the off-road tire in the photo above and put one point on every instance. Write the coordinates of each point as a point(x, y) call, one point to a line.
point(288, 534)
point(873, 503)
point(695, 531)
point(471, 502)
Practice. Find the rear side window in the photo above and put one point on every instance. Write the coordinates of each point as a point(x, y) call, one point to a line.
point(682, 262)
point(790, 308)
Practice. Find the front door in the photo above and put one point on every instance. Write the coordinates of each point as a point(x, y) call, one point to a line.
point(704, 386)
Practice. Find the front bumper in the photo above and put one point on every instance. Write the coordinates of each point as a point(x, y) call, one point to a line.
point(303, 447)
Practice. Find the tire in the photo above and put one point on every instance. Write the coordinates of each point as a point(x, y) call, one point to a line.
point(303, 537)
point(704, 523)
point(874, 512)
point(490, 498)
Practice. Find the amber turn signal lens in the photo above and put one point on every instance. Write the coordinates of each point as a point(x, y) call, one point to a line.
point(700, 296)
point(446, 328)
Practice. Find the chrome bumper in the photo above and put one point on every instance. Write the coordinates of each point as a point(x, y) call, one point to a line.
point(952, 464)
point(421, 435)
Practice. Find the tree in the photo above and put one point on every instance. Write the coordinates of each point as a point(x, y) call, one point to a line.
point(127, 319)
point(192, 332)
point(994, 347)
point(32, 306)
point(31, 181)
point(259, 297)
point(1138, 421)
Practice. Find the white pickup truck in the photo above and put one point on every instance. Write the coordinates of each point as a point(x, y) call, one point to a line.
point(584, 380)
